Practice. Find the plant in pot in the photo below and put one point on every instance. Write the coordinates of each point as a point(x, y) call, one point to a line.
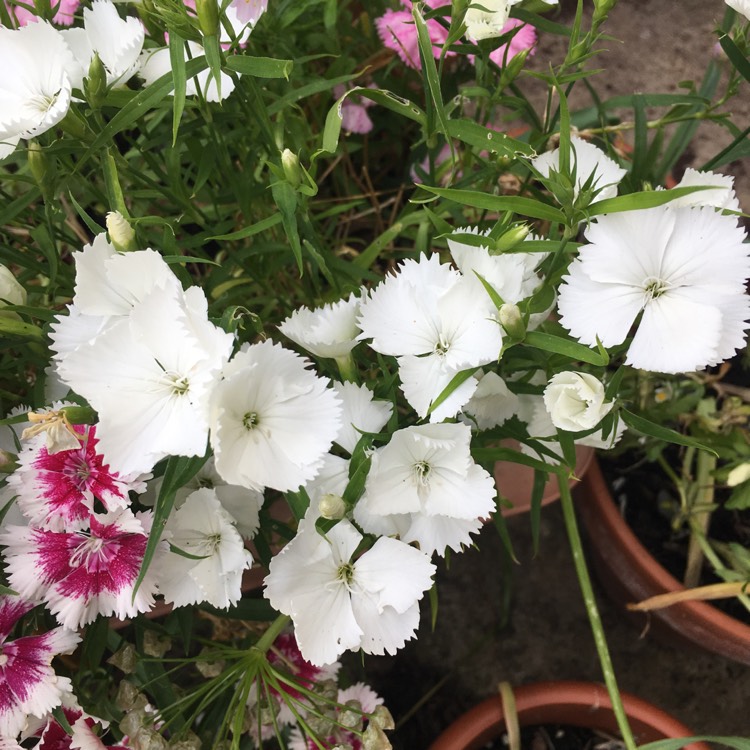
point(689, 505)
point(173, 239)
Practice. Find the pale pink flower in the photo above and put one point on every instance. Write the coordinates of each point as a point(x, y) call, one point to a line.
point(354, 117)
point(28, 684)
point(57, 490)
point(83, 574)
point(249, 11)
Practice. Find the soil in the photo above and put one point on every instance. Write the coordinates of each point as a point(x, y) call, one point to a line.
point(559, 737)
point(649, 503)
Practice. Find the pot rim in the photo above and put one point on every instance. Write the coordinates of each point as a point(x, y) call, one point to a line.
point(581, 704)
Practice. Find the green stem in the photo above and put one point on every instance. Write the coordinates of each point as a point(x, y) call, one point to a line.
point(266, 640)
point(592, 611)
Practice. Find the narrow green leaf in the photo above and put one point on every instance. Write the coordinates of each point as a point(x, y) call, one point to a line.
point(516, 203)
point(141, 103)
point(286, 201)
point(651, 429)
point(738, 743)
point(253, 229)
point(429, 69)
point(487, 139)
point(455, 382)
point(215, 59)
point(733, 52)
point(94, 228)
point(558, 345)
point(637, 201)
point(177, 61)
point(260, 67)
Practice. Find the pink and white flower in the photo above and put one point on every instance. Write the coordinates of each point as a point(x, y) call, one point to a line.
point(83, 574)
point(63, 15)
point(28, 684)
point(57, 490)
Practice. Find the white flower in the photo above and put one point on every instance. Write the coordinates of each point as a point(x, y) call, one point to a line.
point(338, 602)
point(202, 528)
point(722, 197)
point(156, 63)
point(575, 401)
point(585, 160)
point(328, 331)
point(433, 320)
point(150, 376)
point(486, 18)
point(741, 6)
point(492, 403)
point(117, 41)
point(684, 268)
point(272, 419)
point(35, 84)
point(428, 469)
point(361, 413)
point(249, 11)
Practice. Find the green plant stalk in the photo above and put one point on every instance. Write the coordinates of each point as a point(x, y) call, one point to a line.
point(699, 522)
point(584, 581)
point(266, 640)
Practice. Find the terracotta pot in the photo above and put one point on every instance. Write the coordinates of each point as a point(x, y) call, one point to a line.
point(631, 574)
point(516, 481)
point(578, 704)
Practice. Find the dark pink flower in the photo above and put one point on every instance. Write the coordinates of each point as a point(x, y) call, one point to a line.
point(57, 490)
point(83, 574)
point(28, 684)
point(524, 38)
point(54, 737)
point(397, 32)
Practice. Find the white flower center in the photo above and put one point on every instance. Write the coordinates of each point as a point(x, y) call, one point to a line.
point(422, 472)
point(345, 573)
point(42, 103)
point(442, 346)
point(250, 420)
point(3, 659)
point(179, 384)
point(654, 287)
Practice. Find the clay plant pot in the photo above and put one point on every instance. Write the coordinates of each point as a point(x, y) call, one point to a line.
point(578, 704)
point(516, 481)
point(630, 574)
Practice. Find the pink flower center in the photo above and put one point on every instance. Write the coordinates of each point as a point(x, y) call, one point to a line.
point(91, 553)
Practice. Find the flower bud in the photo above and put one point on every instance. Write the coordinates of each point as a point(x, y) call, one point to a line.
point(208, 16)
point(41, 166)
point(11, 292)
point(291, 167)
point(332, 507)
point(738, 475)
point(508, 240)
point(575, 401)
point(120, 232)
point(8, 463)
point(486, 24)
point(95, 83)
point(511, 320)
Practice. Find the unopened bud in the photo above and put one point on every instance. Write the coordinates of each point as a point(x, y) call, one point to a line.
point(42, 167)
point(120, 232)
point(208, 16)
point(738, 475)
point(95, 83)
point(60, 433)
point(512, 320)
point(332, 507)
point(11, 292)
point(507, 241)
point(8, 463)
point(291, 167)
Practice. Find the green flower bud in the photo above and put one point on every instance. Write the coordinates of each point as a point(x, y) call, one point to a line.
point(292, 170)
point(511, 320)
point(95, 83)
point(42, 167)
point(507, 241)
point(120, 232)
point(208, 16)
